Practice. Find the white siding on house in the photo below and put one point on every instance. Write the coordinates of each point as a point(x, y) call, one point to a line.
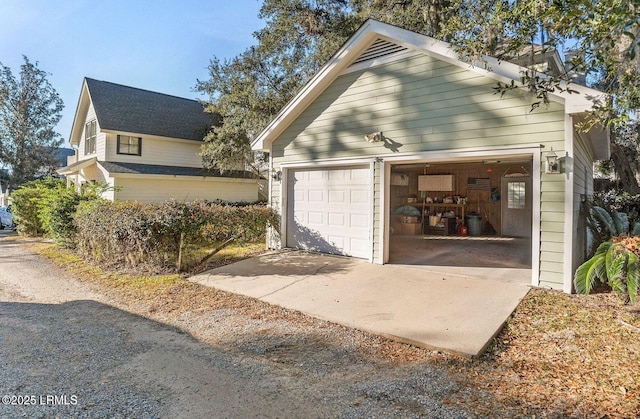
point(425, 105)
point(155, 189)
point(100, 138)
point(378, 225)
point(552, 218)
point(158, 151)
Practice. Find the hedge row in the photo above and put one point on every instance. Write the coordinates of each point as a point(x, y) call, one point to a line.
point(152, 237)
point(155, 236)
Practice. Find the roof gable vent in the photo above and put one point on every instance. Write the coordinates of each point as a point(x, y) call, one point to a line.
point(380, 48)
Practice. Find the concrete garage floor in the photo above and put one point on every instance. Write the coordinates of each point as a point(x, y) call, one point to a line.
point(485, 257)
point(414, 304)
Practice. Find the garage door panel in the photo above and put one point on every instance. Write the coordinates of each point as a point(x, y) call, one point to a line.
point(337, 174)
point(360, 175)
point(359, 245)
point(359, 196)
point(332, 210)
point(337, 196)
point(359, 221)
point(337, 241)
point(316, 218)
point(336, 220)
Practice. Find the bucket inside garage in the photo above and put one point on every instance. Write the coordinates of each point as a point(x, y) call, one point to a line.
point(482, 208)
point(474, 224)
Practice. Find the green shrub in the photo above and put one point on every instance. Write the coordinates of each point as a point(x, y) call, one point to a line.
point(115, 232)
point(616, 264)
point(153, 237)
point(61, 205)
point(615, 261)
point(619, 201)
point(28, 204)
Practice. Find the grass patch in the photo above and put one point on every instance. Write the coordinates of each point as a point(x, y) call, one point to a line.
point(173, 292)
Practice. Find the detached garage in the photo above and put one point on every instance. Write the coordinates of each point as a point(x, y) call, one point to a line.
point(392, 106)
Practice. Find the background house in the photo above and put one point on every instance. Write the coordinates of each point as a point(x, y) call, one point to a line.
point(387, 150)
point(146, 145)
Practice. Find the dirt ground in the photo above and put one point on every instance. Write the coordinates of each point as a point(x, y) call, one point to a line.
point(104, 356)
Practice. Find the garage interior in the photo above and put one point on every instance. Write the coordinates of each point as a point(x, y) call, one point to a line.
point(466, 214)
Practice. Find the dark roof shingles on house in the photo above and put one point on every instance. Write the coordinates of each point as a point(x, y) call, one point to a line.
point(137, 111)
point(153, 169)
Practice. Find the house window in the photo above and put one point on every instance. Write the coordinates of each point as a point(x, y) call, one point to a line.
point(129, 145)
point(90, 137)
point(516, 198)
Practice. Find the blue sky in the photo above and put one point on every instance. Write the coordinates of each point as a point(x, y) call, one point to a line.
point(159, 45)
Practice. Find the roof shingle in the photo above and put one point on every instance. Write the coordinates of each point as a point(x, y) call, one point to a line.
point(129, 109)
point(153, 169)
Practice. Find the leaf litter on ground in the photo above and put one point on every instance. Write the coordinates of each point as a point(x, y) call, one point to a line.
point(558, 355)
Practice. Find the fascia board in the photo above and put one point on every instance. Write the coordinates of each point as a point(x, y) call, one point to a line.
point(83, 105)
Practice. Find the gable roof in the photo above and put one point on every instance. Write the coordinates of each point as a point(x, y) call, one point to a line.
point(137, 111)
point(375, 41)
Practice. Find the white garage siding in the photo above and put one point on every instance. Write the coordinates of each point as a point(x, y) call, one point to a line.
point(329, 210)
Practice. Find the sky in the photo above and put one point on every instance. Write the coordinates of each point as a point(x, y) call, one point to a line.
point(159, 45)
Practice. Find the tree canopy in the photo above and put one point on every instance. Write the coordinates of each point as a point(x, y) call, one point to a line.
point(30, 108)
point(300, 35)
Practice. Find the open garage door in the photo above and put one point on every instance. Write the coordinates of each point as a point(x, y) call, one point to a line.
point(329, 210)
point(457, 217)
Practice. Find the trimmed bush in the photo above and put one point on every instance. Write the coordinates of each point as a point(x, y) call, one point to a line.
point(154, 237)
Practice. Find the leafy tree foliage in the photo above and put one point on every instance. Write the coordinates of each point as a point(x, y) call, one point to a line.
point(300, 35)
point(30, 108)
point(604, 36)
point(249, 90)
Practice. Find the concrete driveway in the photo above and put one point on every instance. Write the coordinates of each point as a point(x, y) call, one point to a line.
point(450, 312)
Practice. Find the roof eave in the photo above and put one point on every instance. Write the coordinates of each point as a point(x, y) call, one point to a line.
point(75, 167)
point(598, 137)
point(76, 127)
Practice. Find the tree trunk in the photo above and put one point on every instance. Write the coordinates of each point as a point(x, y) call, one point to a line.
point(216, 250)
point(180, 246)
point(624, 169)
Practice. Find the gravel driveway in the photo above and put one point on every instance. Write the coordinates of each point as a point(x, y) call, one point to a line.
point(67, 348)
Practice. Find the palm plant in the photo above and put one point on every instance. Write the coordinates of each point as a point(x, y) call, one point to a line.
point(616, 261)
point(604, 225)
point(614, 264)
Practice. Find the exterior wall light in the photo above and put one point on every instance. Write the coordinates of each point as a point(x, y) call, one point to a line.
point(553, 164)
point(374, 137)
point(276, 175)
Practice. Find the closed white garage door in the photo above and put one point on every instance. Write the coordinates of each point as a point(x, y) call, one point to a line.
point(329, 210)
